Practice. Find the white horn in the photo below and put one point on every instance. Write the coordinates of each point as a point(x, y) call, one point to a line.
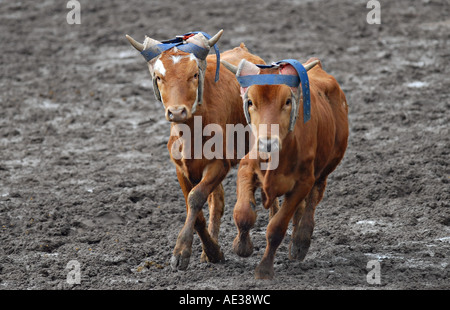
point(229, 66)
point(136, 44)
point(216, 38)
point(311, 65)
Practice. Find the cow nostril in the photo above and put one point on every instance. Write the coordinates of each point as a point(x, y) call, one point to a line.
point(275, 144)
point(177, 114)
point(264, 145)
point(268, 145)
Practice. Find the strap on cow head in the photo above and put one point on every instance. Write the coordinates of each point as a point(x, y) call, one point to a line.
point(188, 43)
point(292, 74)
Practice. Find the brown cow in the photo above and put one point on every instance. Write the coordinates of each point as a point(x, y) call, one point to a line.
point(307, 154)
point(187, 87)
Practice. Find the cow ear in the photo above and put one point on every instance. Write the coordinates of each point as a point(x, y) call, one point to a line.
point(199, 40)
point(246, 68)
point(288, 69)
point(148, 43)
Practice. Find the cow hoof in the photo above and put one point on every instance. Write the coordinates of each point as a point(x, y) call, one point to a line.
point(298, 251)
point(212, 253)
point(242, 245)
point(178, 262)
point(218, 258)
point(264, 273)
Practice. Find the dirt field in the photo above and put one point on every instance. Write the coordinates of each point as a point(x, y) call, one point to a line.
point(85, 173)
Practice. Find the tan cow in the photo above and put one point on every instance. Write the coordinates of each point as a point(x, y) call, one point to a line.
point(186, 84)
point(307, 153)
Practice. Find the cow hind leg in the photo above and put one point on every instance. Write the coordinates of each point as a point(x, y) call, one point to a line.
point(273, 209)
point(216, 203)
point(304, 227)
point(296, 222)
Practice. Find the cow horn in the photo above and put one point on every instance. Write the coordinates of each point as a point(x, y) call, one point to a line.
point(136, 44)
point(216, 38)
point(311, 65)
point(229, 66)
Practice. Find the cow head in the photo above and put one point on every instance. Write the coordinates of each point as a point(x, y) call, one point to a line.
point(178, 76)
point(269, 105)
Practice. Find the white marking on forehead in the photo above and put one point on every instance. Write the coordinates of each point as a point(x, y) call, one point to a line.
point(176, 58)
point(160, 67)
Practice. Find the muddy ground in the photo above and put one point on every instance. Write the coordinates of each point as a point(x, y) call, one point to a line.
point(85, 173)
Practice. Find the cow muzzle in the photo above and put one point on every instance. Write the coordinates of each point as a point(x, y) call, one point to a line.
point(269, 144)
point(177, 114)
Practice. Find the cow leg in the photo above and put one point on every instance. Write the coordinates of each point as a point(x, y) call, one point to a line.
point(301, 237)
point(212, 177)
point(278, 225)
point(216, 203)
point(183, 261)
point(273, 208)
point(244, 212)
point(295, 222)
point(298, 214)
point(211, 187)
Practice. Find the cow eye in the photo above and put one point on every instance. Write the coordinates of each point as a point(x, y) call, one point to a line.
point(195, 75)
point(288, 102)
point(249, 103)
point(158, 78)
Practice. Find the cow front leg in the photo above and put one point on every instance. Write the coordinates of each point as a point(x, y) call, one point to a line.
point(213, 175)
point(278, 225)
point(183, 248)
point(244, 212)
